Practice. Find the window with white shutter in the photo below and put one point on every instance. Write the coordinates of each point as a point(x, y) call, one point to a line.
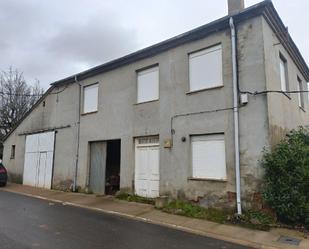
point(208, 157)
point(91, 98)
point(283, 74)
point(148, 85)
point(300, 88)
point(205, 68)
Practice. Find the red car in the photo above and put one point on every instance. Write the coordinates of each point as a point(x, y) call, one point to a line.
point(3, 175)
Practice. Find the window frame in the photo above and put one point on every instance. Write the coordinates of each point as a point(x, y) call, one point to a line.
point(283, 61)
point(154, 67)
point(84, 95)
point(13, 151)
point(307, 91)
point(200, 52)
point(208, 178)
point(300, 88)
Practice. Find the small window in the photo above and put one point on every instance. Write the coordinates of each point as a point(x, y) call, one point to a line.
point(208, 157)
point(283, 74)
point(148, 85)
point(205, 68)
point(300, 90)
point(308, 90)
point(91, 98)
point(13, 152)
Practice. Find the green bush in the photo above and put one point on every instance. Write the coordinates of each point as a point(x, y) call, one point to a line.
point(286, 187)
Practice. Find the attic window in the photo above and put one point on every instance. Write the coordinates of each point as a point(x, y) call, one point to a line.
point(300, 87)
point(148, 85)
point(13, 152)
point(91, 98)
point(283, 74)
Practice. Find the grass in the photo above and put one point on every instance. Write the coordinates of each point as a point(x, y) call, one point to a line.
point(135, 198)
point(251, 219)
point(194, 211)
point(256, 220)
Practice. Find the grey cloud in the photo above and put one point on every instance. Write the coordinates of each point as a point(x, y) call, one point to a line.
point(46, 43)
point(100, 39)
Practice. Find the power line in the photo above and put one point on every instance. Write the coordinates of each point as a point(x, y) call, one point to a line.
point(30, 95)
point(248, 92)
point(272, 91)
point(20, 95)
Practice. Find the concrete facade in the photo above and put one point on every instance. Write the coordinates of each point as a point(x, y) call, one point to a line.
point(263, 121)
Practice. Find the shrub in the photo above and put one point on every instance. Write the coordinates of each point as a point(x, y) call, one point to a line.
point(286, 187)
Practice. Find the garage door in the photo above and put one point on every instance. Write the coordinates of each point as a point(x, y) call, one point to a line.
point(147, 175)
point(38, 164)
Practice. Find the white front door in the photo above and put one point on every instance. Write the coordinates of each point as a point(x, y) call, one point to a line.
point(147, 176)
point(39, 160)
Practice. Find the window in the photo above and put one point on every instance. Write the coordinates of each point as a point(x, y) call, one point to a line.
point(300, 88)
point(148, 85)
point(308, 90)
point(283, 74)
point(91, 98)
point(208, 157)
point(205, 68)
point(13, 152)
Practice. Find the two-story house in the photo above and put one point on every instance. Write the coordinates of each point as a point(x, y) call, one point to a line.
point(187, 117)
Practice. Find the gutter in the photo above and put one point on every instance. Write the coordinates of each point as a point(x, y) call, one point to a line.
point(77, 135)
point(236, 115)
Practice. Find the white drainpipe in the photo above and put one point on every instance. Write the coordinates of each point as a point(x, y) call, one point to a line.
point(77, 136)
point(236, 123)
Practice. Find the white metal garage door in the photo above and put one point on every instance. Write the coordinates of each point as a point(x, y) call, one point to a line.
point(38, 164)
point(147, 175)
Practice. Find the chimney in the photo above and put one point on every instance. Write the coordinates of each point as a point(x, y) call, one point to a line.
point(235, 6)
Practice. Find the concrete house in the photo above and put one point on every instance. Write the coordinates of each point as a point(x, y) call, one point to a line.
point(187, 117)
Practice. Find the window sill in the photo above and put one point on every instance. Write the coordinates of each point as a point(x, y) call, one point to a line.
point(87, 113)
point(206, 179)
point(150, 101)
point(204, 89)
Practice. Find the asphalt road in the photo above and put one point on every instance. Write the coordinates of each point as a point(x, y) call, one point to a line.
point(27, 222)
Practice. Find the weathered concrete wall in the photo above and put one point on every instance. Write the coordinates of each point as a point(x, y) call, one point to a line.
point(119, 117)
point(253, 123)
point(284, 112)
point(59, 110)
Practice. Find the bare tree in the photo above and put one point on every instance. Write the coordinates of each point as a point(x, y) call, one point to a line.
point(16, 98)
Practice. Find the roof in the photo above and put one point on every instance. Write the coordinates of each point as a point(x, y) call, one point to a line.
point(265, 8)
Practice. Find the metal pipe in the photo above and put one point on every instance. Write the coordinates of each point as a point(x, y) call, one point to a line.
point(236, 118)
point(77, 136)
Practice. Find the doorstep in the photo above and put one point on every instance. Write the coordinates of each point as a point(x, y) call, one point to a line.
point(147, 213)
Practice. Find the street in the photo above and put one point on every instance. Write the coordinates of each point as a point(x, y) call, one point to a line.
point(27, 222)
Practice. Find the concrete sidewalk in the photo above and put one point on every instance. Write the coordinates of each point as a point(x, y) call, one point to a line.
point(147, 213)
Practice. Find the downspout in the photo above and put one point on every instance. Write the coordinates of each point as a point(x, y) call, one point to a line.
point(236, 122)
point(77, 136)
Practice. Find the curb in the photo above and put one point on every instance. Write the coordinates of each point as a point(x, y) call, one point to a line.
point(150, 221)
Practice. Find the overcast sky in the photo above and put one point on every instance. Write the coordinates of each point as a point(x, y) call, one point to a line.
point(51, 39)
